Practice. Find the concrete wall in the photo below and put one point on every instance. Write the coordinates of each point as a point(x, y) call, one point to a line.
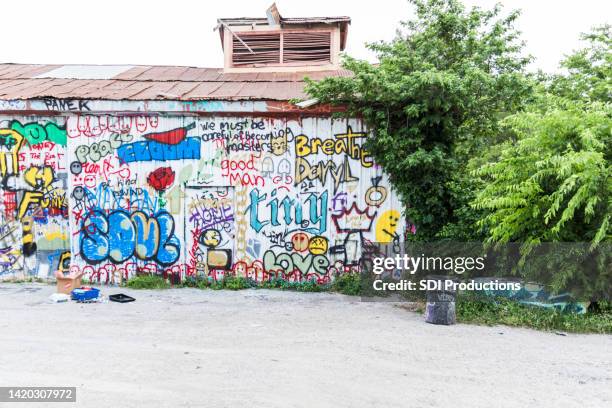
point(186, 195)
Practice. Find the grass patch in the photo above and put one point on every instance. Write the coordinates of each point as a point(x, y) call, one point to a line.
point(148, 282)
point(485, 311)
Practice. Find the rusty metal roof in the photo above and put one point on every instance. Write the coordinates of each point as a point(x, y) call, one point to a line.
point(285, 20)
point(19, 81)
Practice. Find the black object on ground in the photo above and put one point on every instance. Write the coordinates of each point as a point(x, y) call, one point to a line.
point(121, 298)
point(440, 307)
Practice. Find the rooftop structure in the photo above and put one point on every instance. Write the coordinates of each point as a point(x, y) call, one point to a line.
point(277, 43)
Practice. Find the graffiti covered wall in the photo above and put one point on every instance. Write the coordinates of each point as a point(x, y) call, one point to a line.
point(209, 196)
point(34, 238)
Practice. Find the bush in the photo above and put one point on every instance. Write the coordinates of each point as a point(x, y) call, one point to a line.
point(310, 286)
point(216, 285)
point(203, 283)
point(275, 283)
point(347, 284)
point(305, 286)
point(195, 282)
point(190, 282)
point(236, 283)
point(148, 282)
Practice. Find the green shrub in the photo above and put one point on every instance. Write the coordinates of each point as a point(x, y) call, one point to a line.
point(275, 283)
point(310, 286)
point(347, 284)
point(203, 283)
point(190, 282)
point(148, 282)
point(199, 282)
point(303, 286)
point(236, 283)
point(216, 285)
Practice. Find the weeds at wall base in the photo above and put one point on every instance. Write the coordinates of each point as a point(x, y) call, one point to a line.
point(238, 283)
point(347, 284)
point(148, 282)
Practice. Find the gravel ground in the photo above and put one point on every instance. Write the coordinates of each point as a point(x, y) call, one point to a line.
point(264, 348)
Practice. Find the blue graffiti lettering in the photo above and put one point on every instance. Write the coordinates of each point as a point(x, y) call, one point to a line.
point(151, 150)
point(107, 197)
point(120, 236)
point(291, 209)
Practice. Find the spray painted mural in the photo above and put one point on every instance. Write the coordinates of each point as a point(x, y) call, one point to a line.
point(208, 196)
point(34, 239)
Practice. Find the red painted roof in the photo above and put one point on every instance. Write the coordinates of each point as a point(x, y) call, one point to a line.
point(18, 81)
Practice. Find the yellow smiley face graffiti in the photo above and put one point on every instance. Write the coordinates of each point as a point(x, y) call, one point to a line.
point(317, 245)
point(386, 226)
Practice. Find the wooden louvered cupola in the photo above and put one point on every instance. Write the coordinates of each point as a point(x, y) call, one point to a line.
point(282, 44)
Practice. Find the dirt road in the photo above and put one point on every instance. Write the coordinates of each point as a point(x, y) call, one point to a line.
point(262, 348)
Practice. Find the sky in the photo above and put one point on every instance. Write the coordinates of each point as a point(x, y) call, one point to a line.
point(180, 32)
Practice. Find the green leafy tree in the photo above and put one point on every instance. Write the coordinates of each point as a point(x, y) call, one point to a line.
point(589, 70)
point(432, 102)
point(553, 182)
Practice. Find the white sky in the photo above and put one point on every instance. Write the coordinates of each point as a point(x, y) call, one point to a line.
point(180, 32)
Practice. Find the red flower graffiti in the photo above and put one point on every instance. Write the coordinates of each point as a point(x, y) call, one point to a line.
point(162, 178)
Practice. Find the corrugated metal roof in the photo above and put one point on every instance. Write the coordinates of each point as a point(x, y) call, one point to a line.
point(85, 71)
point(285, 20)
point(18, 81)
